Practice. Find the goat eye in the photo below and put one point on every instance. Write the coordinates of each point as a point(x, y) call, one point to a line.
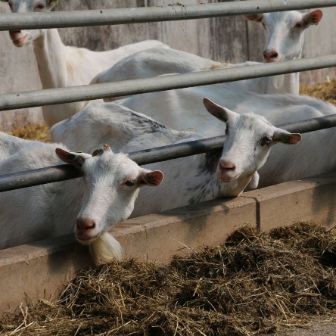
point(129, 183)
point(298, 25)
point(265, 141)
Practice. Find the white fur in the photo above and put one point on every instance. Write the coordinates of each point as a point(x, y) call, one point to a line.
point(109, 122)
point(62, 66)
point(245, 151)
point(281, 36)
point(53, 209)
point(183, 109)
point(187, 181)
point(105, 249)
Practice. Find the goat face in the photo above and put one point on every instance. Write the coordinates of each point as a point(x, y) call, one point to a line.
point(23, 37)
point(111, 186)
point(249, 138)
point(284, 33)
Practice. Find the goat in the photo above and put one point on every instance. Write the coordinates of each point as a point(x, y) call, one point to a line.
point(183, 109)
point(284, 38)
point(188, 180)
point(250, 147)
point(102, 198)
point(60, 65)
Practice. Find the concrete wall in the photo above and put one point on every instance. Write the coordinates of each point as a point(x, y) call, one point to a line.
point(230, 39)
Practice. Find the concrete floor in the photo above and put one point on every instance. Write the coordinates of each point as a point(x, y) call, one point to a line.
point(315, 328)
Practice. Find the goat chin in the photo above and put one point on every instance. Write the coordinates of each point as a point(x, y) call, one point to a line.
point(105, 249)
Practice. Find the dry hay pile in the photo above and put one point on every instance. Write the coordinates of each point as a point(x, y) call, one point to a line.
point(32, 132)
point(325, 91)
point(250, 286)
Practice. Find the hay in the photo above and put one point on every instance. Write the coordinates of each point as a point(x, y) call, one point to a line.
point(252, 285)
point(32, 132)
point(325, 91)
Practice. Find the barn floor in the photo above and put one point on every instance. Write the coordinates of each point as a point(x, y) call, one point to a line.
point(254, 284)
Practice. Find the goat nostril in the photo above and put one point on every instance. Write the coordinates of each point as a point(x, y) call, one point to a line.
point(227, 165)
point(270, 54)
point(85, 224)
point(274, 54)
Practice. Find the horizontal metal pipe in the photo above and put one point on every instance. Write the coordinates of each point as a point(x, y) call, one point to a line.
point(65, 172)
point(150, 14)
point(137, 86)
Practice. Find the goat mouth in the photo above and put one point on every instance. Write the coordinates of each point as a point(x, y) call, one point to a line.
point(271, 60)
point(85, 239)
point(18, 38)
point(226, 177)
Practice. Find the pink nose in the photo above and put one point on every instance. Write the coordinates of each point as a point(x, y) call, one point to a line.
point(85, 224)
point(270, 55)
point(225, 165)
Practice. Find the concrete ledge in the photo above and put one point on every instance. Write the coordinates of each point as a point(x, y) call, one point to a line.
point(312, 199)
point(31, 272)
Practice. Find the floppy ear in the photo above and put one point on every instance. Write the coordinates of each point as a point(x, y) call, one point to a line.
point(75, 159)
point(255, 17)
point(151, 178)
point(286, 137)
point(216, 110)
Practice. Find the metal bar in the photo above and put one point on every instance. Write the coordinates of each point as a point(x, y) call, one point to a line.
point(137, 86)
point(65, 172)
point(150, 14)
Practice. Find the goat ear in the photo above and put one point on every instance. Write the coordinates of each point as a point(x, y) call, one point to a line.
point(74, 159)
point(216, 110)
point(151, 178)
point(255, 17)
point(312, 18)
point(286, 137)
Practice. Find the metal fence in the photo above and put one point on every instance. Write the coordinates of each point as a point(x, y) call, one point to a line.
point(96, 91)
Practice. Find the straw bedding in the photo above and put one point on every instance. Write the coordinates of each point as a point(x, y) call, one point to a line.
point(32, 132)
point(325, 91)
point(253, 284)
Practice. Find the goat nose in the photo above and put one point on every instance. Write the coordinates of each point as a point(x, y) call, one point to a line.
point(84, 224)
point(270, 54)
point(226, 165)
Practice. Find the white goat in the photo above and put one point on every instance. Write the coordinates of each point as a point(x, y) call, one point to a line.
point(60, 65)
point(183, 109)
point(104, 197)
point(188, 180)
point(284, 37)
point(99, 123)
point(248, 144)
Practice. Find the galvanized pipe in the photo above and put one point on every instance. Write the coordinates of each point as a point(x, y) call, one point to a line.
point(151, 14)
point(65, 172)
point(137, 86)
